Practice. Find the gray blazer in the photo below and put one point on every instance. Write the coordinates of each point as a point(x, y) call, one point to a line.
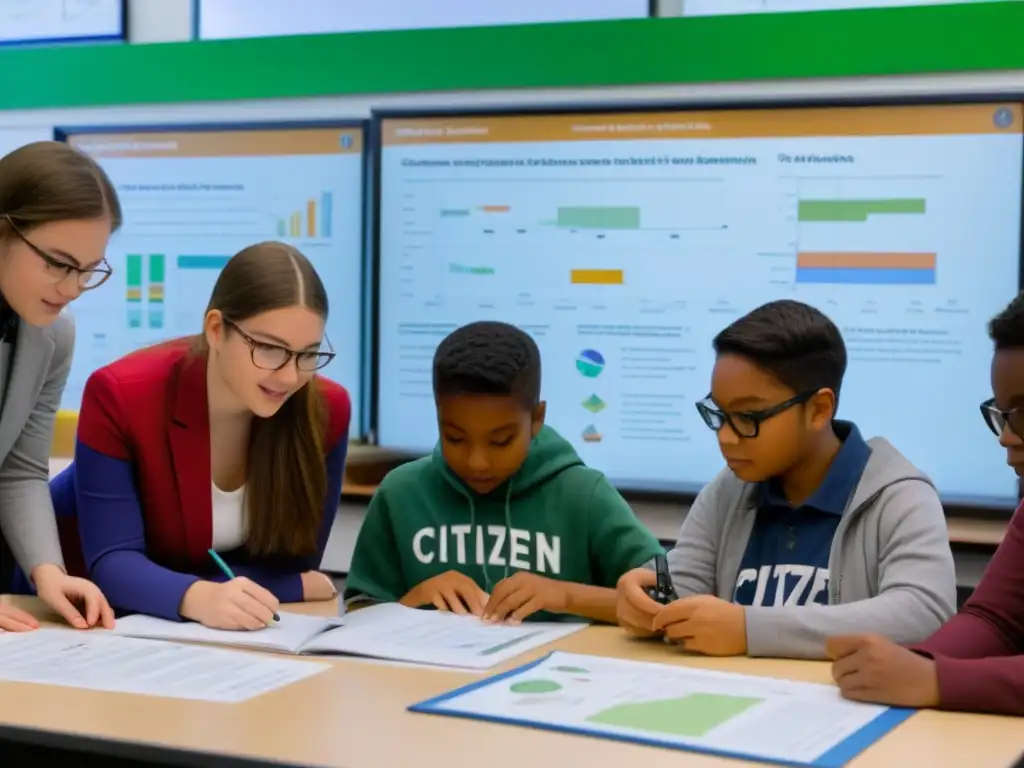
point(39, 371)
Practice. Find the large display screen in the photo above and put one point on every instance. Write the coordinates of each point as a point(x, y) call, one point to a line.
point(221, 19)
point(624, 242)
point(61, 21)
point(192, 198)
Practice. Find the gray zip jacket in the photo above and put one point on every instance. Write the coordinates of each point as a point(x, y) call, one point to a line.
point(890, 566)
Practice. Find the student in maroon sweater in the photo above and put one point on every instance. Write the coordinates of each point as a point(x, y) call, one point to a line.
point(976, 660)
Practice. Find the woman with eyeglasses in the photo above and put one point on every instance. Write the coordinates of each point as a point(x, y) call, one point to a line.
point(58, 210)
point(226, 447)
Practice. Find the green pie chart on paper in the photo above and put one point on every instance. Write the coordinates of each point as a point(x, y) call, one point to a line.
point(536, 686)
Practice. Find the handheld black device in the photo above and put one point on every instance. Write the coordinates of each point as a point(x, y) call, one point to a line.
point(662, 592)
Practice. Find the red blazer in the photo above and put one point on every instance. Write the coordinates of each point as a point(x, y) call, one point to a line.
point(142, 470)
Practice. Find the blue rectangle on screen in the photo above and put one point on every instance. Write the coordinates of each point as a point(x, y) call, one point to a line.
point(860, 276)
point(325, 215)
point(203, 262)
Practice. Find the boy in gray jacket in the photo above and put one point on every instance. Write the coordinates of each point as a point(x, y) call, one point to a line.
point(811, 531)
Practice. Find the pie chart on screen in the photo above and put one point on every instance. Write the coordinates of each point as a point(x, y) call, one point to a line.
point(590, 363)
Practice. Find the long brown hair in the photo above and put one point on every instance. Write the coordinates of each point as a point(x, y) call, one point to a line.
point(286, 477)
point(49, 181)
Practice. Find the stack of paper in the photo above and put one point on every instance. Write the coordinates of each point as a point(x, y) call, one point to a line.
point(100, 661)
point(388, 631)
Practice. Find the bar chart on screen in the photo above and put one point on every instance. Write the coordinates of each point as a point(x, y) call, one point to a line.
point(194, 198)
point(639, 236)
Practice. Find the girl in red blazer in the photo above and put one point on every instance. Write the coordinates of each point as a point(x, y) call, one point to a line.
point(227, 441)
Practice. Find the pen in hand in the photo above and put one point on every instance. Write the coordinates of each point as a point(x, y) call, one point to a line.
point(226, 569)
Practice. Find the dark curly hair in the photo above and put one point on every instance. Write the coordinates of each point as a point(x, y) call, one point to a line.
point(1007, 328)
point(796, 343)
point(488, 358)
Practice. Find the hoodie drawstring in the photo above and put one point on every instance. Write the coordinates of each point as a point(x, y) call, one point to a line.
point(488, 584)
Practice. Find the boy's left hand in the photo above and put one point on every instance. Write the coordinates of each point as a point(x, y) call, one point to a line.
point(873, 668)
point(705, 624)
point(523, 594)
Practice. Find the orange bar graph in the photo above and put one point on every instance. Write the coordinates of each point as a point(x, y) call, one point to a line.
point(864, 260)
point(311, 218)
point(495, 208)
point(598, 277)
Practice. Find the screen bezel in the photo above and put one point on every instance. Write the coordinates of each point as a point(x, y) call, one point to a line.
point(362, 408)
point(973, 507)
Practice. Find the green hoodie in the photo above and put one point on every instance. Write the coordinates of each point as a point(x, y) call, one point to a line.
point(555, 517)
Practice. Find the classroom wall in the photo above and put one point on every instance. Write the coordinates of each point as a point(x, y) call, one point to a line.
point(164, 19)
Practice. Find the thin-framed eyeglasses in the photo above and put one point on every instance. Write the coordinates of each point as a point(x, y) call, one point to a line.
point(274, 357)
point(746, 424)
point(998, 419)
point(86, 278)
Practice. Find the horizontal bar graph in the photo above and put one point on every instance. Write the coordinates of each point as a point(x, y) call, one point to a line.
point(466, 269)
point(495, 208)
point(866, 268)
point(858, 210)
point(202, 262)
point(598, 217)
point(597, 277)
point(455, 213)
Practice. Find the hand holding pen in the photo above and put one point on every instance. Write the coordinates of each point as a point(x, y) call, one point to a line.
point(239, 604)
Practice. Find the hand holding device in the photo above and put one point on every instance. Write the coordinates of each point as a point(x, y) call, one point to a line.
point(662, 592)
point(634, 608)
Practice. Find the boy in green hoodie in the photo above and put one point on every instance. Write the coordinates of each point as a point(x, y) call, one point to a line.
point(503, 520)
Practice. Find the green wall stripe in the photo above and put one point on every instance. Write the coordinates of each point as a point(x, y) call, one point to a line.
point(647, 51)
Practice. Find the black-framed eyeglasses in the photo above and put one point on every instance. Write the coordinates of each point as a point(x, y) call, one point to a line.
point(998, 419)
point(274, 357)
point(746, 423)
point(59, 270)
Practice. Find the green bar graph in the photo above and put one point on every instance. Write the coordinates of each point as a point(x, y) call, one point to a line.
point(454, 213)
point(466, 269)
point(858, 210)
point(134, 273)
point(133, 294)
point(281, 229)
point(156, 267)
point(598, 217)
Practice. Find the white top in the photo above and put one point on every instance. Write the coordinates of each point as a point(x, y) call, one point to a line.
point(229, 528)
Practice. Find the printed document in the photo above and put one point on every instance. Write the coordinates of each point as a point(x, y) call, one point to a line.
point(101, 661)
point(387, 631)
point(668, 705)
point(285, 636)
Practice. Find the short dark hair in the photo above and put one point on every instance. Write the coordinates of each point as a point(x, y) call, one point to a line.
point(793, 341)
point(1007, 328)
point(488, 358)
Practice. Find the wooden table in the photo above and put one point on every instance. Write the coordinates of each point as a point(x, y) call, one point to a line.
point(354, 716)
